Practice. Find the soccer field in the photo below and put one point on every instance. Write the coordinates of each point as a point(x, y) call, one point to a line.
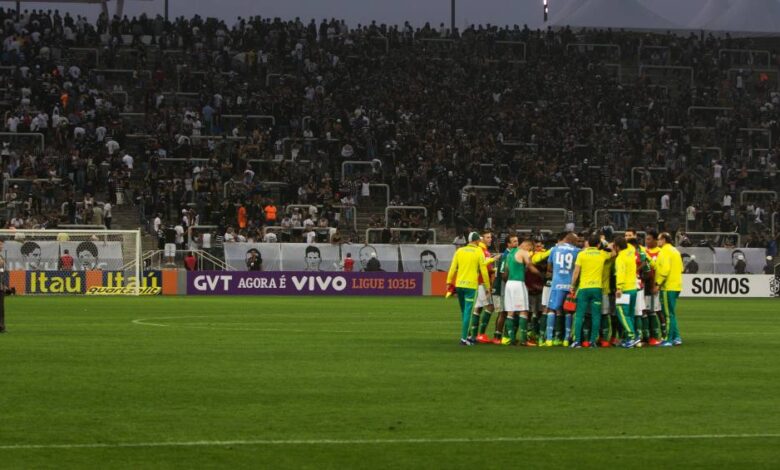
point(372, 383)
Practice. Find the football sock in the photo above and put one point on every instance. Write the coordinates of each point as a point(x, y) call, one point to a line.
point(474, 325)
point(483, 325)
point(655, 325)
point(523, 328)
point(638, 326)
point(645, 326)
point(550, 329)
point(615, 324)
point(567, 332)
point(559, 325)
point(500, 320)
point(586, 328)
point(541, 324)
point(510, 328)
point(605, 328)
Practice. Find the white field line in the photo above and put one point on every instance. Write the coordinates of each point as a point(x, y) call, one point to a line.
point(154, 321)
point(338, 442)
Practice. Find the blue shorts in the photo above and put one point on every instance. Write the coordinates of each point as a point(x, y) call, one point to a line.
point(557, 296)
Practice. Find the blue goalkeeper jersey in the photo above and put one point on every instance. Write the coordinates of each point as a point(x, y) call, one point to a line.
point(562, 258)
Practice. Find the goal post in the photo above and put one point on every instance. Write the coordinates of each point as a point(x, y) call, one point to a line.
point(75, 262)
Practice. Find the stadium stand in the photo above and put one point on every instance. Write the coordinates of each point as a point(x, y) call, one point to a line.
point(286, 127)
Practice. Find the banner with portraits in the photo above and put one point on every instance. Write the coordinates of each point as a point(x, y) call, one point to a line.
point(44, 255)
point(426, 258)
point(723, 260)
point(237, 255)
point(310, 257)
point(386, 257)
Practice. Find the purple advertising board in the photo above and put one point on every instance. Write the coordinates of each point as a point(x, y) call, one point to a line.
point(303, 283)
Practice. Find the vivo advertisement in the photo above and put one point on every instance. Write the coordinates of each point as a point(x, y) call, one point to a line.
point(306, 283)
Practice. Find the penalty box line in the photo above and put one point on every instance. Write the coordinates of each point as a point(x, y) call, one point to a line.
point(336, 442)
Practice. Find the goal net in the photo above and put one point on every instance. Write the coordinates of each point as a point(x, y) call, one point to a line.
point(75, 262)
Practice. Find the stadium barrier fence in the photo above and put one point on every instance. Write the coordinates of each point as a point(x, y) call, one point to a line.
point(317, 269)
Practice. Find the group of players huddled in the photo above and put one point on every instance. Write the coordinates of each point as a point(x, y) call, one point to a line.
point(585, 291)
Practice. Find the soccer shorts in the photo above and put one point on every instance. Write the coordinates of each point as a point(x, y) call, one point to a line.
point(515, 296)
point(640, 304)
point(535, 303)
point(483, 299)
point(498, 303)
point(652, 302)
point(608, 304)
point(545, 296)
point(557, 297)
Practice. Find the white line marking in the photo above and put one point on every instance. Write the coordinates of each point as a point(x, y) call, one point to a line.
point(153, 322)
point(453, 440)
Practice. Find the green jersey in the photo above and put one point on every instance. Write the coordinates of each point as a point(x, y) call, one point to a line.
point(501, 269)
point(516, 270)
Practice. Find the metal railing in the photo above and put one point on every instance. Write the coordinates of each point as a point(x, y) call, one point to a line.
point(531, 191)
point(643, 67)
point(404, 208)
point(589, 47)
point(159, 259)
point(719, 236)
point(598, 215)
point(351, 163)
point(542, 214)
point(38, 135)
point(751, 54)
point(772, 194)
point(757, 130)
point(369, 231)
point(645, 169)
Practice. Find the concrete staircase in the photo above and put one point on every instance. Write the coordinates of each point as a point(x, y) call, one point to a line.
point(125, 217)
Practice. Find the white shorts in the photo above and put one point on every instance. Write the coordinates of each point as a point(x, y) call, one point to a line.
point(640, 304)
point(607, 304)
point(653, 303)
point(515, 296)
point(483, 300)
point(498, 303)
point(545, 295)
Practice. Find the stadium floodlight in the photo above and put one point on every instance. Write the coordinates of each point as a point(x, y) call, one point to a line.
point(87, 262)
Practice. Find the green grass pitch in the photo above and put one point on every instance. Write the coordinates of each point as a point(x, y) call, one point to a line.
point(334, 382)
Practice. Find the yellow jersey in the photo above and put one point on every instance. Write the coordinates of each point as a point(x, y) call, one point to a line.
point(669, 269)
point(591, 262)
point(625, 270)
point(540, 256)
point(467, 266)
point(606, 275)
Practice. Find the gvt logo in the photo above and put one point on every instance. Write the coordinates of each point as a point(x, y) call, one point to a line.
point(205, 282)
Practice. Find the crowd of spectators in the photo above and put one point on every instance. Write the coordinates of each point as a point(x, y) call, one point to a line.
point(197, 122)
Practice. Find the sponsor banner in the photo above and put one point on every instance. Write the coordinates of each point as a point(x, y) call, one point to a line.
point(237, 254)
point(44, 255)
point(427, 258)
point(386, 256)
point(740, 260)
point(97, 290)
point(315, 257)
point(151, 282)
point(725, 285)
point(723, 260)
point(89, 282)
point(303, 283)
point(55, 282)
